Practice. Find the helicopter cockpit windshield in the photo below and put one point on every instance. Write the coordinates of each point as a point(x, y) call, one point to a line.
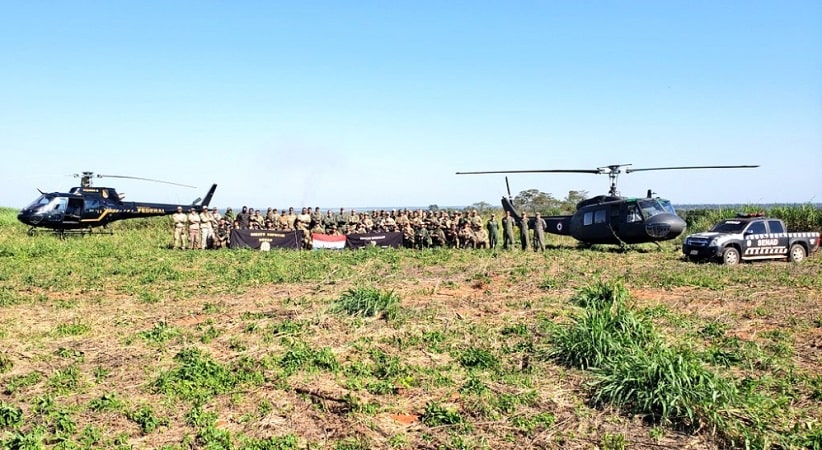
point(653, 207)
point(48, 204)
point(666, 204)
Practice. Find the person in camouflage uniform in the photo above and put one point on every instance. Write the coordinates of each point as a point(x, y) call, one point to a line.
point(329, 221)
point(422, 238)
point(290, 218)
point(222, 233)
point(316, 218)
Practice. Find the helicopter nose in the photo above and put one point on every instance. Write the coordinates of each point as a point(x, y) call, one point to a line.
point(30, 219)
point(664, 226)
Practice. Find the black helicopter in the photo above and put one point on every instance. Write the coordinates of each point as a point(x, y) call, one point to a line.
point(611, 218)
point(85, 207)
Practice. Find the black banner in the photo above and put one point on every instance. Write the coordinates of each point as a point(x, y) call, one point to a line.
point(382, 240)
point(265, 239)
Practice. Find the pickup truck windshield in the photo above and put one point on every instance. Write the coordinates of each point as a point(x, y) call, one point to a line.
point(729, 226)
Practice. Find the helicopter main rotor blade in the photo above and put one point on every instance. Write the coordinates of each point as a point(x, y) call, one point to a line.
point(145, 179)
point(691, 167)
point(529, 171)
point(507, 187)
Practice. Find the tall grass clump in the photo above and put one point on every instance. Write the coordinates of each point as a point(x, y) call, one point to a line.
point(633, 368)
point(368, 302)
point(669, 385)
point(605, 329)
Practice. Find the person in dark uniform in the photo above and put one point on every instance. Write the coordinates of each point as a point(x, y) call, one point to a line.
point(524, 238)
point(539, 234)
point(493, 230)
point(507, 231)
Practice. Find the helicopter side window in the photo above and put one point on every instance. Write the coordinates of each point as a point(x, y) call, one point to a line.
point(632, 214)
point(599, 216)
point(92, 203)
point(59, 204)
point(588, 218)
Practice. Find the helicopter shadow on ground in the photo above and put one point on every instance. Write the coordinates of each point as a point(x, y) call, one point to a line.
point(604, 248)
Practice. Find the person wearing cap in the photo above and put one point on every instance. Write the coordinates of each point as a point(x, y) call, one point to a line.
point(206, 229)
point(180, 221)
point(215, 214)
point(493, 230)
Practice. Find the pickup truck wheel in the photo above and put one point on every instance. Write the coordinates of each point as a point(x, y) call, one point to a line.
point(730, 256)
point(797, 253)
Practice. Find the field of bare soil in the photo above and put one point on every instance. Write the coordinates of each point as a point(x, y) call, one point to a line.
point(119, 342)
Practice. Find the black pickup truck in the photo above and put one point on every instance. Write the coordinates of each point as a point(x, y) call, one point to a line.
point(750, 237)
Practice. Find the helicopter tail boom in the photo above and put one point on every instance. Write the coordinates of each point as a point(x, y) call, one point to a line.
point(208, 196)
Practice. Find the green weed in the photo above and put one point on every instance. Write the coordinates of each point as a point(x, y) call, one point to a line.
point(10, 416)
point(368, 302)
point(436, 415)
point(74, 328)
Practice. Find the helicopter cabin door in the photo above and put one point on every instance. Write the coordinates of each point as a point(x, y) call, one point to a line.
point(74, 210)
point(595, 226)
point(631, 224)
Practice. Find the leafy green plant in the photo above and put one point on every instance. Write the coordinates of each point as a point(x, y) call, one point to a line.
point(161, 332)
point(144, 417)
point(478, 358)
point(435, 415)
point(199, 377)
point(22, 381)
point(107, 402)
point(302, 356)
point(10, 416)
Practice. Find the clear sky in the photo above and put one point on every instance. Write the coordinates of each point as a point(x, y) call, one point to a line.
point(379, 103)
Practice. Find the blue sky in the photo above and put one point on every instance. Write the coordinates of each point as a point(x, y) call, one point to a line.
point(379, 103)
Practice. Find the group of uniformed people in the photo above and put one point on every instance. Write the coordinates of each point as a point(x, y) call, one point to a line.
point(200, 230)
point(420, 228)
